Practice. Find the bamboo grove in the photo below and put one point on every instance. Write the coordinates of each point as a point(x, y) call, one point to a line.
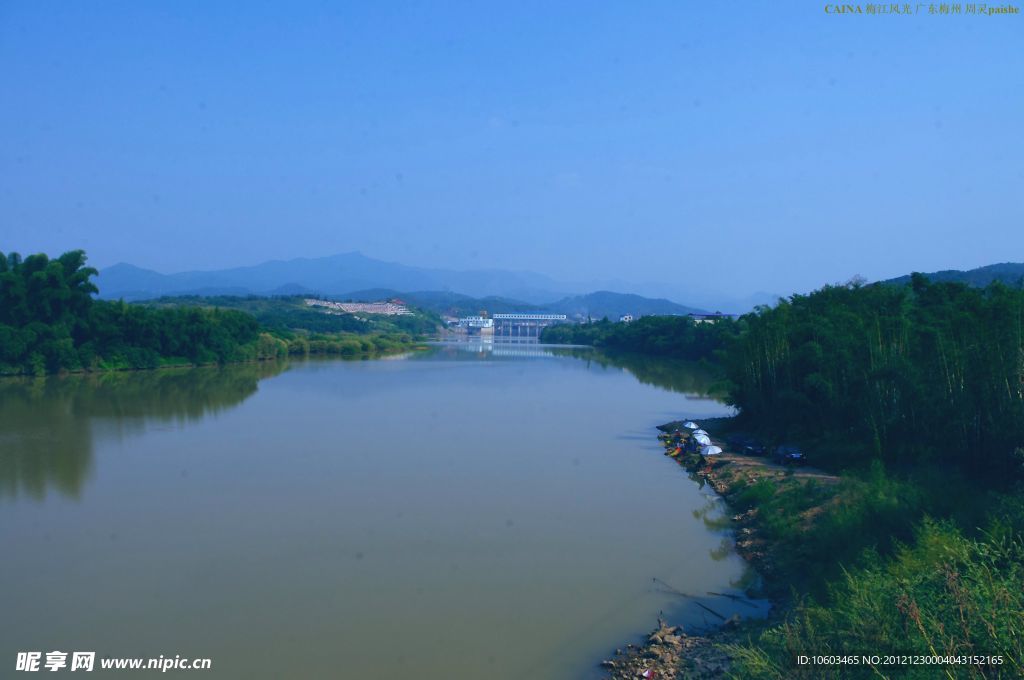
point(907, 374)
point(50, 322)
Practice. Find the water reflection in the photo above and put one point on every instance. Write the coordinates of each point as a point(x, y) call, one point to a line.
point(475, 348)
point(696, 380)
point(712, 516)
point(48, 426)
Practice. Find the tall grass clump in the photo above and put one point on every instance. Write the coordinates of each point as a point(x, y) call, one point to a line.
point(946, 595)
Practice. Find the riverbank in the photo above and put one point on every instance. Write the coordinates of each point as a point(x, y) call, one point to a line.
point(669, 652)
point(52, 324)
point(742, 481)
point(288, 350)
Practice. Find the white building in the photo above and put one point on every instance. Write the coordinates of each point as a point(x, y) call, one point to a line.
point(476, 322)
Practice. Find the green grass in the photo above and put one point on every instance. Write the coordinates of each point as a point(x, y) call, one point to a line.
point(915, 562)
point(942, 594)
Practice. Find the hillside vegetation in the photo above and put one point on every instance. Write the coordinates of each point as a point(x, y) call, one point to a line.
point(50, 322)
point(909, 375)
point(596, 305)
point(667, 336)
point(290, 313)
point(914, 394)
point(917, 393)
point(1007, 273)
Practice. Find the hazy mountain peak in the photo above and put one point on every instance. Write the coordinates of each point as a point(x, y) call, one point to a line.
point(341, 273)
point(1009, 273)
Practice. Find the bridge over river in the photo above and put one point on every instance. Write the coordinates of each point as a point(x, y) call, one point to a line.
point(524, 325)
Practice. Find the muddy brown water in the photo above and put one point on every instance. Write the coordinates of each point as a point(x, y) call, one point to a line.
point(469, 511)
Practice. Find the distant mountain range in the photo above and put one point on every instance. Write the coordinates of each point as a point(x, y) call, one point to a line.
point(355, 276)
point(328, 275)
point(1010, 273)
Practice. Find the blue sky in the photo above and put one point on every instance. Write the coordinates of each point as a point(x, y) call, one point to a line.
point(728, 146)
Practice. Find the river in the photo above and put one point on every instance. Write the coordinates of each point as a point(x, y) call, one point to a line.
point(493, 511)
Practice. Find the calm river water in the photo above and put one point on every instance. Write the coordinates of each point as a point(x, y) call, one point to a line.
point(464, 512)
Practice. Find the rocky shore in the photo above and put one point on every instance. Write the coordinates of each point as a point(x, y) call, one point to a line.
point(669, 652)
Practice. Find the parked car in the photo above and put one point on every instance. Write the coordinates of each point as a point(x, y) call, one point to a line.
point(787, 454)
point(755, 448)
point(747, 445)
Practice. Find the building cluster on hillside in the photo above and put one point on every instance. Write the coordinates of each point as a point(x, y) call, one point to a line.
point(389, 308)
point(710, 318)
point(695, 317)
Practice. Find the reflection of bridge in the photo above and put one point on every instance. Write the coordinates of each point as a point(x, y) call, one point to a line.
point(520, 325)
point(513, 348)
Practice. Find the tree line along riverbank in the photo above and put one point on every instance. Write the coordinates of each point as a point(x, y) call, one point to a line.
point(50, 322)
point(911, 398)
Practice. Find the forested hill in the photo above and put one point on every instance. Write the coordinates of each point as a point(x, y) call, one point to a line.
point(288, 313)
point(909, 375)
point(914, 395)
point(677, 337)
point(1008, 273)
point(597, 305)
point(605, 303)
point(50, 322)
point(917, 393)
